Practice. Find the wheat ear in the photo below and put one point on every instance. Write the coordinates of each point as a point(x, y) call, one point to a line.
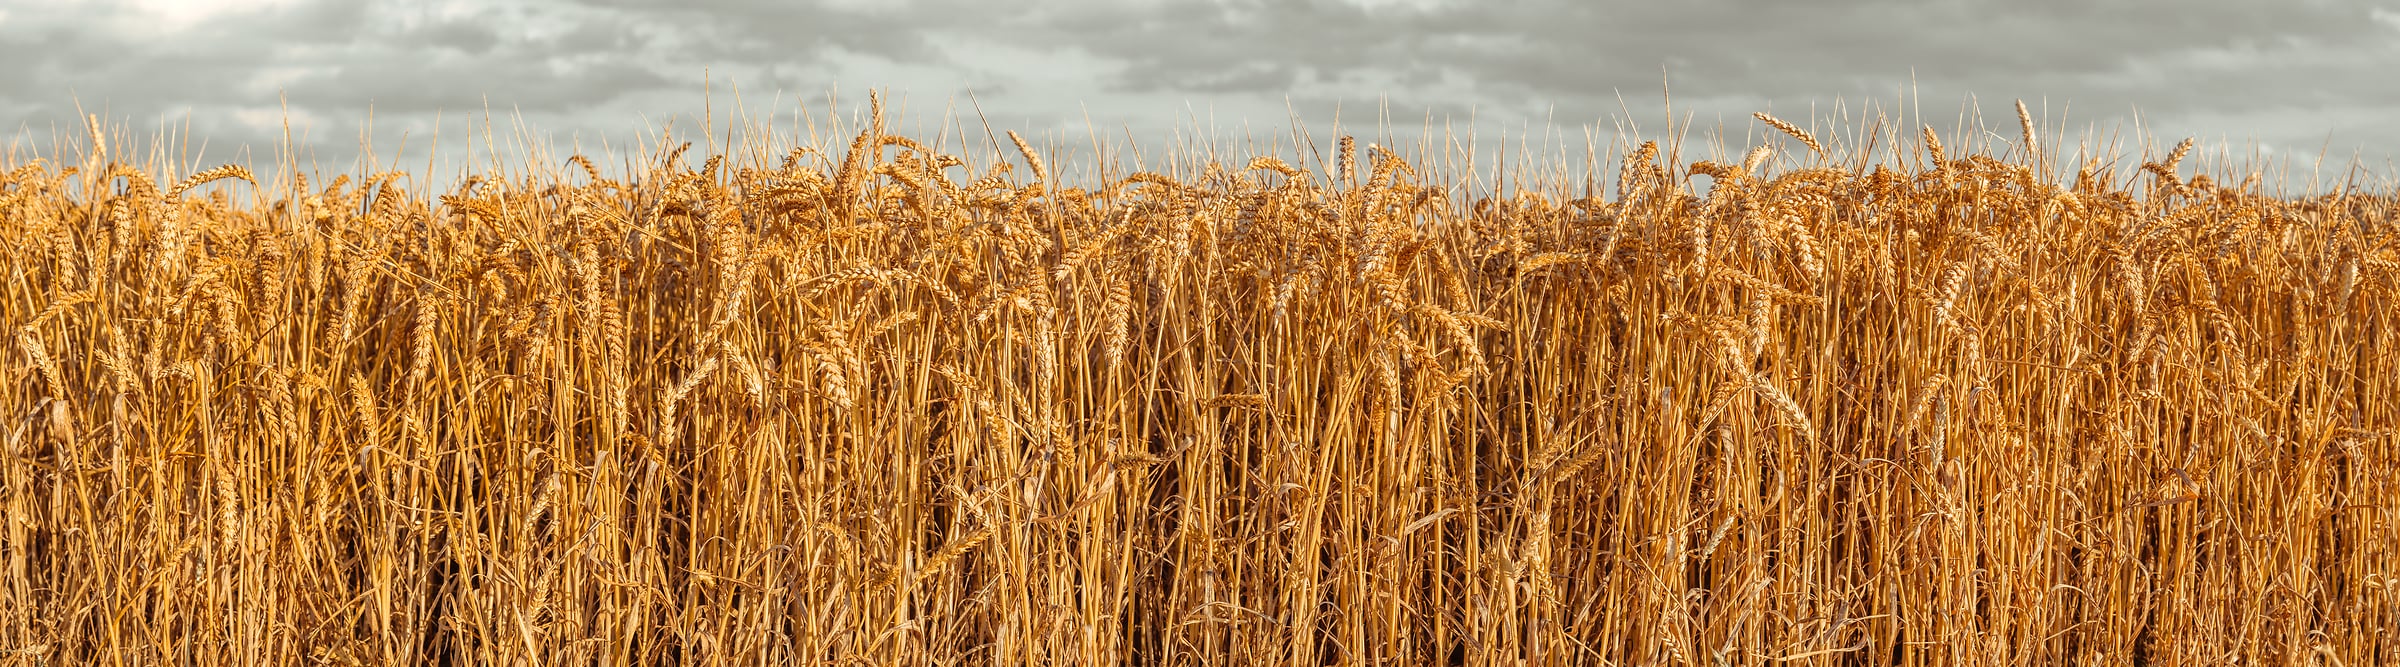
point(1791, 129)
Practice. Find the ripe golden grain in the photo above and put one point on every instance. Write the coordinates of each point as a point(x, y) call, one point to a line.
point(1878, 411)
point(1041, 171)
point(2033, 147)
point(1933, 146)
point(1756, 157)
point(1794, 130)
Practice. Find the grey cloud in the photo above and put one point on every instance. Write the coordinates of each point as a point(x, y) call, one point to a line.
point(761, 31)
point(2287, 73)
point(393, 85)
point(465, 37)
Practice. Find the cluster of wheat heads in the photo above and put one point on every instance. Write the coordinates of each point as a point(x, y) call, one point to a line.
point(891, 408)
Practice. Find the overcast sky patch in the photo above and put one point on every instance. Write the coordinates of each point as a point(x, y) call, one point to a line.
point(2283, 78)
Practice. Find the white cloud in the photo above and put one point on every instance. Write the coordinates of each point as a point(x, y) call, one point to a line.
point(168, 16)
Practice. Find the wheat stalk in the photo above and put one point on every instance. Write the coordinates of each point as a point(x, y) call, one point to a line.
point(2033, 147)
point(1794, 130)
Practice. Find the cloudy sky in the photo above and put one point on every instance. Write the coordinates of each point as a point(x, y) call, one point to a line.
point(2278, 78)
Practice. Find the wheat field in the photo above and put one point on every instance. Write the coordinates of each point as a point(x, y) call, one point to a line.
point(1849, 400)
